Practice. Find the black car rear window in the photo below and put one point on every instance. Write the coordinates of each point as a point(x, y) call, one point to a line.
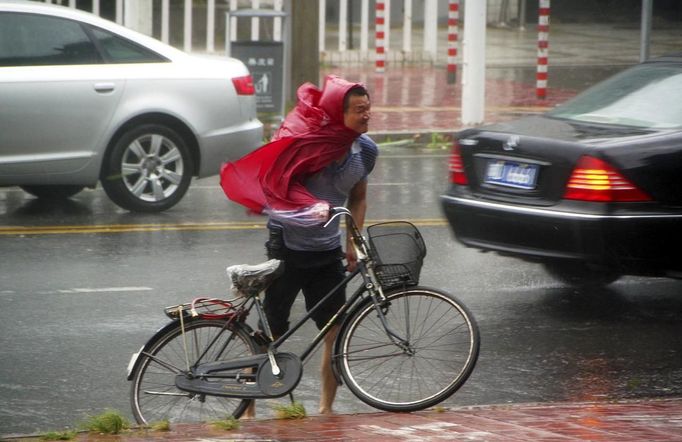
point(648, 95)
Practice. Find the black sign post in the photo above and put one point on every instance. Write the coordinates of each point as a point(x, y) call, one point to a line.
point(266, 61)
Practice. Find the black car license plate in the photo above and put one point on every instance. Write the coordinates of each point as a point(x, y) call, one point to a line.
point(512, 174)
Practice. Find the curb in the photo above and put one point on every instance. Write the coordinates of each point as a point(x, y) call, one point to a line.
point(642, 419)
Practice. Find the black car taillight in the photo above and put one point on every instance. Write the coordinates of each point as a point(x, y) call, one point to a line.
point(456, 166)
point(244, 85)
point(596, 180)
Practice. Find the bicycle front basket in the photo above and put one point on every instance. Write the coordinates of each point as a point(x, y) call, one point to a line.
point(398, 251)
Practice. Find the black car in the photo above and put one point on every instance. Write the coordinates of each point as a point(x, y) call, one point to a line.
point(591, 189)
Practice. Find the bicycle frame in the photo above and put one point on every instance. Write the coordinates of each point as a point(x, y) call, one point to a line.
point(369, 287)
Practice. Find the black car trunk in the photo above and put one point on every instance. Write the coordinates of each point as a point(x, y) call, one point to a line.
point(530, 160)
point(507, 167)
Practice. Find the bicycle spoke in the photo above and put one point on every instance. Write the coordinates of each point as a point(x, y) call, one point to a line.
point(170, 367)
point(163, 393)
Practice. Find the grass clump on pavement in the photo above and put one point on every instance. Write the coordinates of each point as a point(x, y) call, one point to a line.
point(59, 435)
point(109, 422)
point(227, 424)
point(439, 141)
point(295, 410)
point(163, 425)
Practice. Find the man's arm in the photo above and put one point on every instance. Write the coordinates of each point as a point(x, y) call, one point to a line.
point(357, 204)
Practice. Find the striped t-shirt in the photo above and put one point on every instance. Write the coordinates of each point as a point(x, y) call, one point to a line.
point(333, 184)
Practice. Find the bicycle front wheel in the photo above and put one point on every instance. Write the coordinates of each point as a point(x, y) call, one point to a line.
point(154, 396)
point(438, 355)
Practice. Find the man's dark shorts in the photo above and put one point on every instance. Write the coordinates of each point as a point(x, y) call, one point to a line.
point(314, 273)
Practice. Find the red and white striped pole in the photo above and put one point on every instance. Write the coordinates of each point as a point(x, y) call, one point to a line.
point(453, 23)
point(543, 49)
point(380, 35)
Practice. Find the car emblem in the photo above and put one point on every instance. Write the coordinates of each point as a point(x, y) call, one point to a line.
point(511, 143)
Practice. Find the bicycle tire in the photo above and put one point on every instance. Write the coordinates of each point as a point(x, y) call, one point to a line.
point(154, 396)
point(444, 341)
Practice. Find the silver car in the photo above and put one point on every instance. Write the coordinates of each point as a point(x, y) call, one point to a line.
point(83, 100)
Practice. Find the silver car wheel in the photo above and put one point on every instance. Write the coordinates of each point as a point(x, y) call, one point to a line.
point(152, 167)
point(148, 168)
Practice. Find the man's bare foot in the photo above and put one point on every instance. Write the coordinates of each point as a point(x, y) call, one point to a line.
point(249, 413)
point(326, 410)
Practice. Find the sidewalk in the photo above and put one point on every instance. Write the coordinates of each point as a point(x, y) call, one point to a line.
point(643, 420)
point(416, 99)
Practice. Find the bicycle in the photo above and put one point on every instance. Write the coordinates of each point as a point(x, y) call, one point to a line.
point(400, 347)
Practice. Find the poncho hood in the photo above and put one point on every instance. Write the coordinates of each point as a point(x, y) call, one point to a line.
point(316, 108)
point(311, 137)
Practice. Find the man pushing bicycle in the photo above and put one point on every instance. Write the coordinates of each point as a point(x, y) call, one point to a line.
point(319, 158)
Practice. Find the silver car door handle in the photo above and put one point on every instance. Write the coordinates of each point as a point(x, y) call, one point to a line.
point(104, 87)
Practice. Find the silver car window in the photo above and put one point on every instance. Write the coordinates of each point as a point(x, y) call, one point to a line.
point(120, 50)
point(39, 40)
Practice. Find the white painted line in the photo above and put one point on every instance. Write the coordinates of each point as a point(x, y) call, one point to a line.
point(105, 290)
point(370, 183)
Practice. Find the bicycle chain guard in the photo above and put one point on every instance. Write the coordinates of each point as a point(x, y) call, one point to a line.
point(290, 374)
point(254, 380)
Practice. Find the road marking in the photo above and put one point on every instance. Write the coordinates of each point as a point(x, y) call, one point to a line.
point(137, 228)
point(210, 187)
point(89, 290)
point(106, 290)
point(205, 187)
point(126, 228)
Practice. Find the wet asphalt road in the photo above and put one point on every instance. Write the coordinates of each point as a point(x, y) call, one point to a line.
point(77, 301)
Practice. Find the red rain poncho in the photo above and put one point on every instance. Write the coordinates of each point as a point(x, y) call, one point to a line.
point(310, 138)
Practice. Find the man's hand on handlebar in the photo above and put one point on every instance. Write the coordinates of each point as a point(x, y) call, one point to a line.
point(351, 258)
point(313, 215)
point(321, 212)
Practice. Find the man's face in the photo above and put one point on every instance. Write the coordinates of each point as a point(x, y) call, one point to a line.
point(357, 116)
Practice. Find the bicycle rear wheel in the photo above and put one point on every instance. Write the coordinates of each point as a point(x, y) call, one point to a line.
point(442, 350)
point(154, 396)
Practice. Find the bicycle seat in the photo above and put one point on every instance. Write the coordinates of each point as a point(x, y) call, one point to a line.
point(250, 280)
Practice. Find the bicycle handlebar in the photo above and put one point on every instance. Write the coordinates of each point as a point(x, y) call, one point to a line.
point(361, 247)
point(335, 212)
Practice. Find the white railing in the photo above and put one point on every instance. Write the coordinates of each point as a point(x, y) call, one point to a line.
point(404, 39)
point(415, 31)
